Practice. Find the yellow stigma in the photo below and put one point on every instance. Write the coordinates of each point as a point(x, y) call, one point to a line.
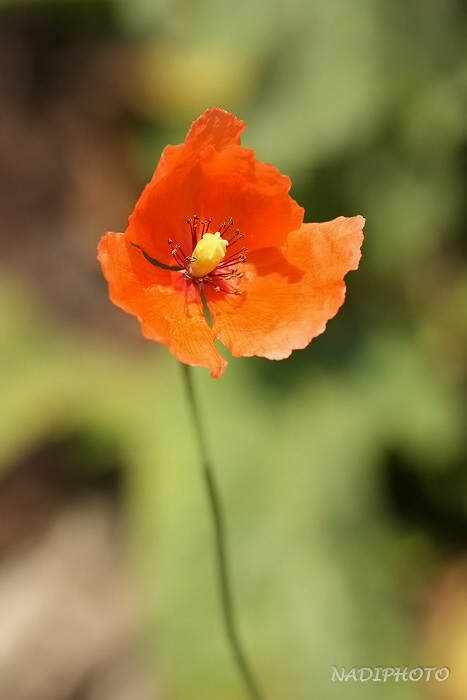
point(207, 255)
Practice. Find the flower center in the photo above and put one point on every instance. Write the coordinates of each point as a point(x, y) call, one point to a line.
point(208, 253)
point(208, 263)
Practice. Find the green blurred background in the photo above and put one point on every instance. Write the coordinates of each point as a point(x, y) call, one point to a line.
point(342, 468)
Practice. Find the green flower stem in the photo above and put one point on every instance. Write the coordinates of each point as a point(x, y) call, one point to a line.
point(218, 523)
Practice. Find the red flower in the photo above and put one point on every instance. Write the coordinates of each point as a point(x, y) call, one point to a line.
point(215, 221)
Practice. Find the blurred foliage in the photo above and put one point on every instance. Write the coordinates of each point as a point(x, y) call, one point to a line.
point(343, 468)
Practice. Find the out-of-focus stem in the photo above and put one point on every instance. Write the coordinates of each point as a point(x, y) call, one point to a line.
point(218, 522)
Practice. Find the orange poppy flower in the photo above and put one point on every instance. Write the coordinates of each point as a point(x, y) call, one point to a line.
point(217, 228)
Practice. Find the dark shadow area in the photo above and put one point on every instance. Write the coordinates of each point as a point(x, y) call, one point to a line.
point(55, 473)
point(432, 503)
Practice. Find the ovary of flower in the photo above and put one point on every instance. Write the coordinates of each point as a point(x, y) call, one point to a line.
point(207, 255)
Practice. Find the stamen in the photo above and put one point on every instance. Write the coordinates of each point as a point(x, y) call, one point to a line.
point(225, 226)
point(206, 224)
point(193, 224)
point(177, 253)
point(228, 274)
point(218, 288)
point(236, 237)
point(240, 258)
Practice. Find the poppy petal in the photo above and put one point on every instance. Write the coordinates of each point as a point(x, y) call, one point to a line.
point(166, 202)
point(216, 128)
point(255, 194)
point(213, 176)
point(168, 306)
point(289, 297)
point(177, 184)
